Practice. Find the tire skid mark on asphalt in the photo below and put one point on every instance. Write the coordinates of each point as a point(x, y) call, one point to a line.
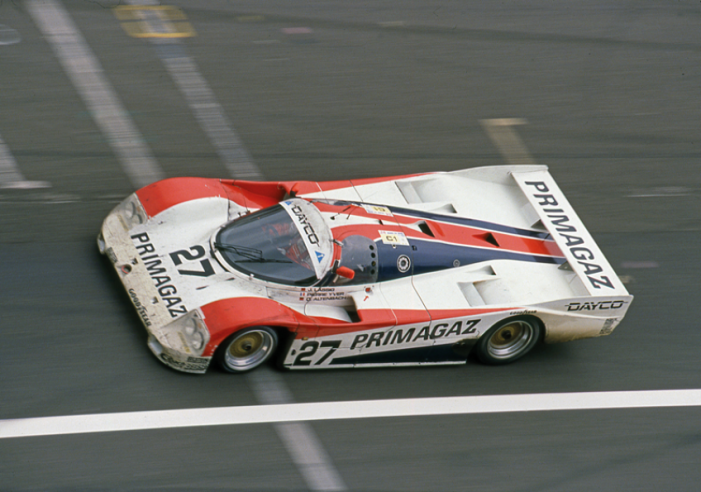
point(87, 75)
point(198, 95)
point(343, 410)
point(10, 175)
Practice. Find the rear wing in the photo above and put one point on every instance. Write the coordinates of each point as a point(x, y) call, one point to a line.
point(559, 218)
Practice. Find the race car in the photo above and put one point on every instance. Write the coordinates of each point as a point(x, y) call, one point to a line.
point(405, 270)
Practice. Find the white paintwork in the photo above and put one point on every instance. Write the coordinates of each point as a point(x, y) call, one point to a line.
point(486, 292)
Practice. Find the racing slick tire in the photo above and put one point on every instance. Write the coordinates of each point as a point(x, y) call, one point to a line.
point(246, 349)
point(508, 340)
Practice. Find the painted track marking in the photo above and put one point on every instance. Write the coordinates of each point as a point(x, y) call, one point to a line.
point(97, 93)
point(508, 142)
point(10, 175)
point(200, 97)
point(300, 440)
point(341, 410)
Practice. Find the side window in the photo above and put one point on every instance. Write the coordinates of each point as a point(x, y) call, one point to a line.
point(359, 253)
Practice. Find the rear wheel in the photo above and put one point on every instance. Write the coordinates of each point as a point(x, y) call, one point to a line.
point(247, 349)
point(508, 340)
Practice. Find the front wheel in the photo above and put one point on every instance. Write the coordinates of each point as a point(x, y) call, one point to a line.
point(508, 340)
point(246, 349)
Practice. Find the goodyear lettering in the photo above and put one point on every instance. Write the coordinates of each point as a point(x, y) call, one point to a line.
point(592, 306)
point(410, 335)
point(154, 266)
point(307, 228)
point(561, 223)
point(140, 308)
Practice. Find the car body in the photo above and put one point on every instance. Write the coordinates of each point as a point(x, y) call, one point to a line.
point(402, 270)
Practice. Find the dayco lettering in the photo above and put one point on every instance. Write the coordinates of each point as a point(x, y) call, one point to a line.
point(166, 290)
point(591, 306)
point(311, 235)
point(574, 242)
point(403, 335)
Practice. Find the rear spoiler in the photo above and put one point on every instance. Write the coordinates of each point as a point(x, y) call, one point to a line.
point(559, 218)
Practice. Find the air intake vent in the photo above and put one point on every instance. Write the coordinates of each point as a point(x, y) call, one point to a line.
point(489, 238)
point(423, 227)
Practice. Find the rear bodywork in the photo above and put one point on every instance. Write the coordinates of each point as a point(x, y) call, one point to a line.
point(439, 259)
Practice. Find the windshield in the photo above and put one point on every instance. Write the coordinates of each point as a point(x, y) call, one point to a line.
point(268, 245)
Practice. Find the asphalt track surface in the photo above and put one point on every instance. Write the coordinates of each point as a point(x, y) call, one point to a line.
point(607, 95)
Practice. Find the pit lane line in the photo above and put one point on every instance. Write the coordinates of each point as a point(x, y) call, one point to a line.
point(86, 73)
point(198, 94)
point(10, 175)
point(342, 410)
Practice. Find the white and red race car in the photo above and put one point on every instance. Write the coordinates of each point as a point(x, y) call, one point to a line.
point(404, 270)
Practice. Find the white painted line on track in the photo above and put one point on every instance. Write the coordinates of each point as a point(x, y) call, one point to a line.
point(10, 175)
point(97, 93)
point(508, 142)
point(200, 98)
point(300, 440)
point(341, 410)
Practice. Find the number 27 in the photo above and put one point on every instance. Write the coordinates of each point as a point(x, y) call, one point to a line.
point(308, 349)
point(199, 252)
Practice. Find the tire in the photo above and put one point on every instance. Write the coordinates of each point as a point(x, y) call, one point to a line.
point(508, 340)
point(247, 349)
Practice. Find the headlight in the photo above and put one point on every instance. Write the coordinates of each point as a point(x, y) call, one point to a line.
point(187, 333)
point(131, 212)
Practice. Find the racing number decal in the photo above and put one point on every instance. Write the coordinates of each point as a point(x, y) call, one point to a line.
point(308, 350)
point(197, 253)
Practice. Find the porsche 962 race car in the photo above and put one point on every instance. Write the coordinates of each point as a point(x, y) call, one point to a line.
point(404, 270)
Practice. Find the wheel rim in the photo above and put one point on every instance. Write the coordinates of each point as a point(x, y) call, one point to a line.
point(248, 350)
point(511, 339)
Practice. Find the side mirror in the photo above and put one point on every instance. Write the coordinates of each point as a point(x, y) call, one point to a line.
point(345, 272)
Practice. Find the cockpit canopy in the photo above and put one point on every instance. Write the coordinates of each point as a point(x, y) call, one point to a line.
point(287, 243)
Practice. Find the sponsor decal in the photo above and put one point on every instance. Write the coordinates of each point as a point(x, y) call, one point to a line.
point(593, 306)
point(307, 228)
point(403, 263)
point(140, 308)
point(377, 210)
point(395, 238)
point(315, 352)
point(311, 237)
point(194, 364)
point(154, 265)
point(574, 240)
point(410, 335)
